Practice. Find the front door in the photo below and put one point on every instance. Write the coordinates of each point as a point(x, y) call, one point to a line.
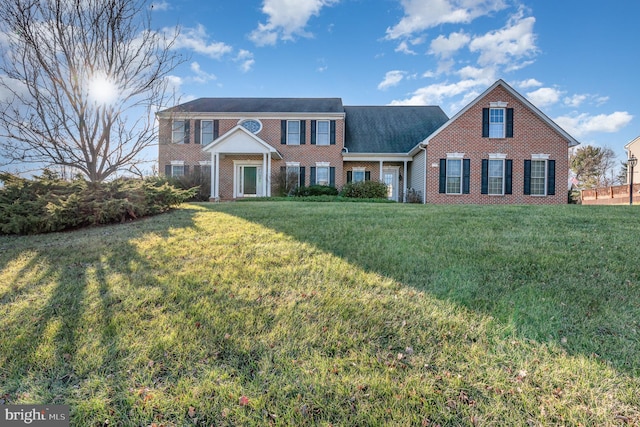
point(249, 181)
point(390, 178)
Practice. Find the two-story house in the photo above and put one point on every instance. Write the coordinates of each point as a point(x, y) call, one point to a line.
point(498, 149)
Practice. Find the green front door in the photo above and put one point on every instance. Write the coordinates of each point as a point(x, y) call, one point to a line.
point(250, 180)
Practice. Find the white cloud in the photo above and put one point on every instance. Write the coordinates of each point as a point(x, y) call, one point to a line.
point(513, 42)
point(197, 40)
point(447, 46)
point(246, 60)
point(403, 47)
point(544, 96)
point(161, 5)
point(529, 83)
point(575, 100)
point(392, 78)
point(435, 94)
point(579, 125)
point(286, 19)
point(201, 76)
point(420, 15)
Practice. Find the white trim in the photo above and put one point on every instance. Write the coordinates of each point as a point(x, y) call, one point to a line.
point(323, 164)
point(540, 156)
point(395, 170)
point(238, 166)
point(293, 164)
point(247, 119)
point(499, 104)
point(503, 177)
point(455, 156)
point(207, 115)
point(177, 162)
point(205, 162)
point(497, 156)
point(375, 157)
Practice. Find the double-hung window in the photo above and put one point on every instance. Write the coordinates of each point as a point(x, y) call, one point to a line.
point(322, 132)
point(206, 132)
point(359, 175)
point(496, 176)
point(178, 131)
point(293, 175)
point(538, 177)
point(322, 175)
point(454, 176)
point(293, 132)
point(496, 122)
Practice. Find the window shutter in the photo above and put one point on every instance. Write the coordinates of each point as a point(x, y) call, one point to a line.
point(443, 176)
point(196, 134)
point(186, 170)
point(312, 176)
point(509, 123)
point(332, 134)
point(283, 171)
point(196, 170)
point(283, 131)
point(367, 175)
point(313, 132)
point(349, 176)
point(466, 175)
point(301, 176)
point(527, 177)
point(485, 123)
point(216, 129)
point(485, 177)
point(551, 177)
point(167, 170)
point(187, 135)
point(508, 176)
point(332, 176)
point(303, 136)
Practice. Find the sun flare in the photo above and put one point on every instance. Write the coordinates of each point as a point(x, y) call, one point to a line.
point(102, 90)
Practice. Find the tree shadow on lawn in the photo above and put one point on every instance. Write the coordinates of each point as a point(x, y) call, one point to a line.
point(560, 275)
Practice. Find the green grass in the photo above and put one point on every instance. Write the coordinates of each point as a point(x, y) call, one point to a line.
point(330, 313)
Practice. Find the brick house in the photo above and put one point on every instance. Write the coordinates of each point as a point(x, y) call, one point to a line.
point(498, 149)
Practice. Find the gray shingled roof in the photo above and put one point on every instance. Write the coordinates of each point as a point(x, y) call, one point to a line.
point(390, 129)
point(261, 105)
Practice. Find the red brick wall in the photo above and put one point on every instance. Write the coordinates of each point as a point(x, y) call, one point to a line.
point(531, 135)
point(306, 154)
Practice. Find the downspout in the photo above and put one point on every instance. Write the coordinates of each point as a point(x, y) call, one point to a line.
point(424, 189)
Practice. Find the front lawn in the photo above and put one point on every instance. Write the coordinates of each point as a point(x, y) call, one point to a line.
point(307, 313)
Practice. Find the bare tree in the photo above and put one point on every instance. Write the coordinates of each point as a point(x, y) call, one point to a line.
point(80, 82)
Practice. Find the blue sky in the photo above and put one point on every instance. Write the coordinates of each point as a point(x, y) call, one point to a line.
point(576, 60)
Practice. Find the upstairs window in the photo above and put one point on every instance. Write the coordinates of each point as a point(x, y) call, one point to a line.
point(293, 132)
point(322, 132)
point(179, 132)
point(496, 123)
point(206, 132)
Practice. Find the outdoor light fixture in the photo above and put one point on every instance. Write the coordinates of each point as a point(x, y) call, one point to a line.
point(631, 163)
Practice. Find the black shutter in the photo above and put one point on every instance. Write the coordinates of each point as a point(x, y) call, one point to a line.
point(485, 177)
point(332, 134)
point(466, 175)
point(349, 176)
point(551, 177)
point(443, 176)
point(367, 175)
point(283, 171)
point(313, 132)
point(485, 123)
point(301, 176)
point(332, 176)
point(216, 129)
point(508, 176)
point(527, 177)
point(509, 123)
point(187, 135)
point(283, 131)
point(186, 170)
point(197, 170)
point(312, 176)
point(196, 135)
point(167, 170)
point(303, 136)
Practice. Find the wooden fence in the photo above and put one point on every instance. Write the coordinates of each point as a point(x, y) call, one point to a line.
point(616, 195)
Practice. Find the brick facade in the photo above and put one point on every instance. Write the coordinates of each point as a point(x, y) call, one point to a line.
point(534, 137)
point(531, 135)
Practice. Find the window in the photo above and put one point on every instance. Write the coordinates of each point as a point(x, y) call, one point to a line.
point(496, 177)
point(454, 176)
point(359, 175)
point(293, 175)
point(253, 126)
point(293, 132)
point(496, 123)
point(206, 131)
point(322, 175)
point(178, 131)
point(322, 132)
point(177, 170)
point(538, 177)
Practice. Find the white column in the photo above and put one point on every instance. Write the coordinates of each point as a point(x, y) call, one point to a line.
point(268, 174)
point(381, 172)
point(264, 174)
point(404, 183)
point(216, 174)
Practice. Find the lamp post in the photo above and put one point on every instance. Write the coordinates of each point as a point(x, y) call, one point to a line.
point(631, 163)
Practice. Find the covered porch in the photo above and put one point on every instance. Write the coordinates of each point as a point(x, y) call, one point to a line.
point(391, 169)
